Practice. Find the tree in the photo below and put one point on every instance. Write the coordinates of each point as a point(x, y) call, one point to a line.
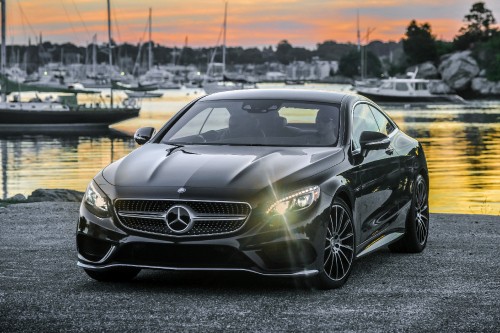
point(349, 64)
point(477, 28)
point(331, 50)
point(488, 56)
point(301, 54)
point(252, 56)
point(419, 44)
point(284, 52)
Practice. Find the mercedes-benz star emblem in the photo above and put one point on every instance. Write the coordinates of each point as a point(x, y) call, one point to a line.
point(178, 219)
point(181, 190)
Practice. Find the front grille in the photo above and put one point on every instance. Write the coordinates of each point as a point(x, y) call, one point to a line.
point(211, 218)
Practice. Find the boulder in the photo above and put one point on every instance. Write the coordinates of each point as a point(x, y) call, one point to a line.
point(439, 87)
point(458, 69)
point(17, 198)
point(55, 195)
point(482, 86)
point(426, 70)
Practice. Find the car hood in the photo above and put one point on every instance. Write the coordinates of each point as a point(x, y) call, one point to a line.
point(238, 167)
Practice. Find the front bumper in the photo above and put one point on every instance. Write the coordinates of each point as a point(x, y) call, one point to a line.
point(279, 246)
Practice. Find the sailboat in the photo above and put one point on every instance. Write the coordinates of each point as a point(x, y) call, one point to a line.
point(155, 76)
point(62, 112)
point(226, 83)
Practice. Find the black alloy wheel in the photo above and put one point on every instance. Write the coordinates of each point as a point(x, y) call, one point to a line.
point(417, 222)
point(338, 254)
point(115, 274)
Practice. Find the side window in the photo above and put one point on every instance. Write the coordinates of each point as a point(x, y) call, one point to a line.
point(401, 86)
point(383, 123)
point(362, 120)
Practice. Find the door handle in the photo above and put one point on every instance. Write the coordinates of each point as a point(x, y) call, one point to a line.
point(389, 151)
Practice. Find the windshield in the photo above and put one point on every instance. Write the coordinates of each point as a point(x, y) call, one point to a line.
point(257, 122)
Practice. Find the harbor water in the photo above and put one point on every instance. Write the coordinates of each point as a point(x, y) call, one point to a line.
point(462, 146)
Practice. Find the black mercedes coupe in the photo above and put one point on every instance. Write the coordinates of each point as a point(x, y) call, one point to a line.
point(289, 183)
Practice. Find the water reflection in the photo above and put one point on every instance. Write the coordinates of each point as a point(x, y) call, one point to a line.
point(463, 154)
point(462, 148)
point(58, 160)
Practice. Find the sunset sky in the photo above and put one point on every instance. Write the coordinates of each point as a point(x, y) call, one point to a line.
point(250, 22)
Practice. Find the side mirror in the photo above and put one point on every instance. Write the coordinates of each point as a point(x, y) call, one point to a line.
point(373, 141)
point(143, 135)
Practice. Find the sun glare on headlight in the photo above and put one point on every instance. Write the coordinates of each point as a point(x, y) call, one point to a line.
point(295, 201)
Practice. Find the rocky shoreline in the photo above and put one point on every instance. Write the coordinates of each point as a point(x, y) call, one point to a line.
point(45, 195)
point(460, 73)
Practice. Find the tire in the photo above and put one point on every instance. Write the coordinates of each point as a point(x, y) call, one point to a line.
point(338, 254)
point(117, 274)
point(417, 221)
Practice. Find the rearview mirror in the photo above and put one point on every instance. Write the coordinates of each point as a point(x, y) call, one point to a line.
point(143, 135)
point(373, 141)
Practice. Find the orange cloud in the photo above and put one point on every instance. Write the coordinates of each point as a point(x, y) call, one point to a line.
point(250, 22)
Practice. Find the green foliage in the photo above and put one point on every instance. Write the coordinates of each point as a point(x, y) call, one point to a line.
point(478, 27)
point(488, 55)
point(284, 52)
point(374, 65)
point(301, 54)
point(443, 47)
point(331, 50)
point(350, 64)
point(493, 70)
point(419, 44)
point(395, 69)
point(251, 56)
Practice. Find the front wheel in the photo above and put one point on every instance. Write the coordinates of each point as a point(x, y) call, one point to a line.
point(116, 274)
point(417, 221)
point(338, 253)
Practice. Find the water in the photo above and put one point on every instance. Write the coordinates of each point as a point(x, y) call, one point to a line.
point(462, 146)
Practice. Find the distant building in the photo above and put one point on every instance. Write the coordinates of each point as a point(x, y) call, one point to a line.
point(315, 70)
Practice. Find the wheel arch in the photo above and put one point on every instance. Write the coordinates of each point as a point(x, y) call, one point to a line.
point(425, 173)
point(343, 193)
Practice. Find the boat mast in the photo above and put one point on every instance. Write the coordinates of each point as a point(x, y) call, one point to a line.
point(110, 50)
point(224, 40)
point(3, 54)
point(364, 61)
point(94, 54)
point(359, 35)
point(150, 53)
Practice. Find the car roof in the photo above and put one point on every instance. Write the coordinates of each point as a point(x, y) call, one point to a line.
point(285, 94)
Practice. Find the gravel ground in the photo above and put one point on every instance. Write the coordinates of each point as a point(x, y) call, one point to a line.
point(454, 285)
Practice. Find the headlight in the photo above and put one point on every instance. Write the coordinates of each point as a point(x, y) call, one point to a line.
point(295, 201)
point(96, 201)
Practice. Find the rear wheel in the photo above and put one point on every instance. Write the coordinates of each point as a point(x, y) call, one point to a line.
point(116, 274)
point(417, 221)
point(338, 253)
